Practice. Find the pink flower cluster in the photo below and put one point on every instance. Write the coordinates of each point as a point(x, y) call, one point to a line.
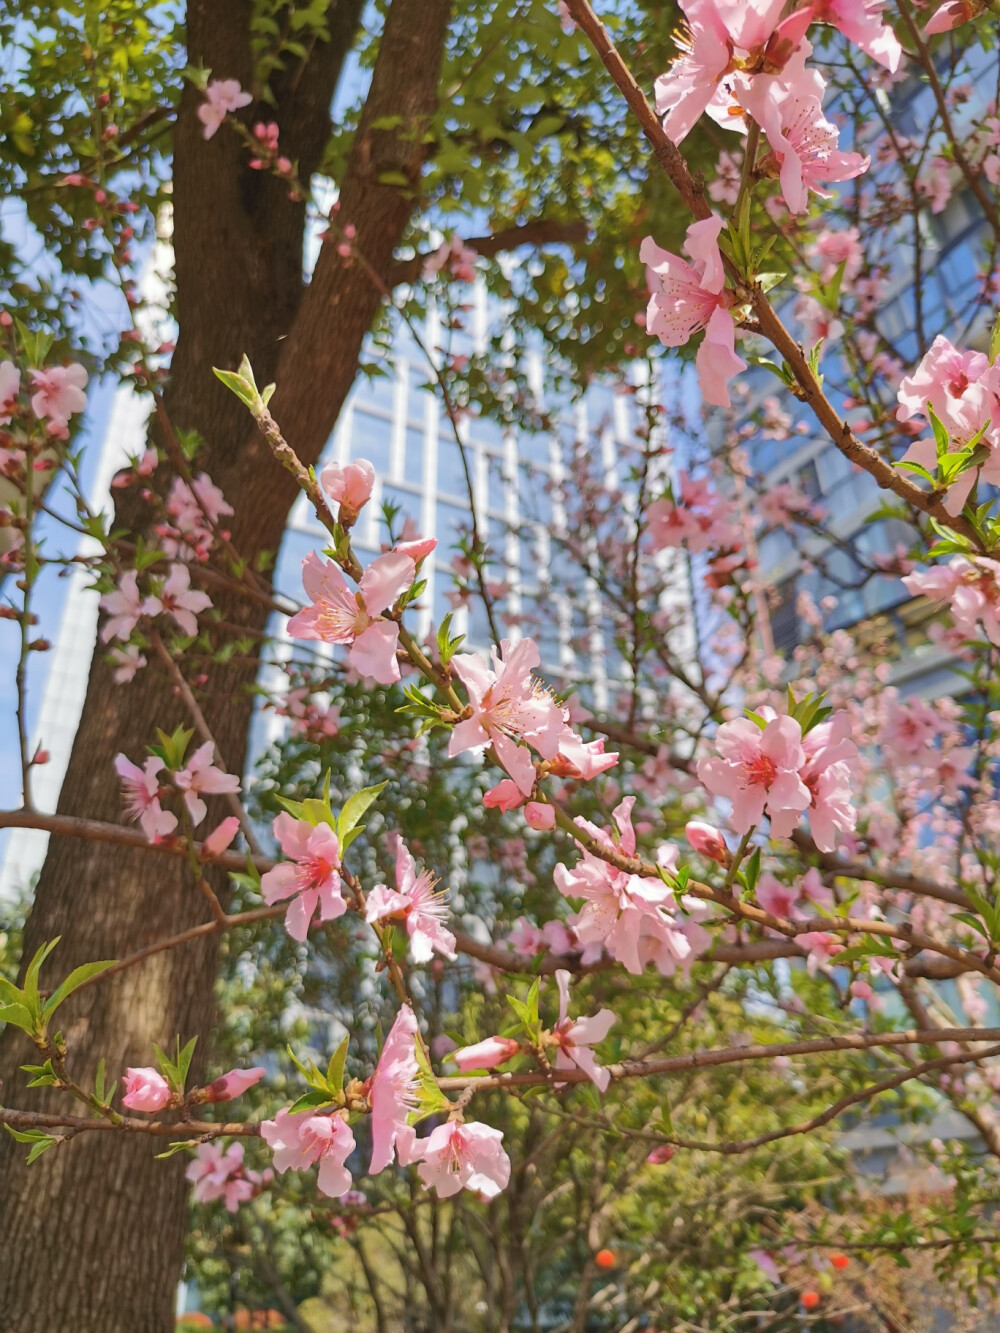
point(702, 518)
point(970, 587)
point(635, 918)
point(508, 705)
point(175, 597)
point(221, 1174)
point(774, 769)
point(455, 258)
point(195, 512)
point(455, 1155)
point(199, 776)
point(963, 391)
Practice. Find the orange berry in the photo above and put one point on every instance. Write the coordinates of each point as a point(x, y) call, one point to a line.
point(810, 1299)
point(605, 1259)
point(839, 1260)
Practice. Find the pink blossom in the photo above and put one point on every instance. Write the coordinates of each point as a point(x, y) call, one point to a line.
point(722, 34)
point(630, 916)
point(58, 394)
point(802, 140)
point(349, 486)
point(219, 1175)
point(464, 1156)
point(338, 615)
point(908, 730)
point(195, 511)
point(301, 1139)
point(311, 878)
point(972, 589)
point(861, 23)
point(234, 1084)
point(10, 387)
point(700, 519)
point(221, 97)
point(129, 660)
point(124, 606)
point(685, 298)
point(707, 841)
point(486, 1054)
point(759, 768)
point(506, 795)
point(574, 1037)
point(539, 816)
point(953, 14)
point(221, 837)
point(177, 600)
point(776, 898)
point(200, 775)
point(417, 903)
point(831, 757)
point(145, 1090)
point(142, 796)
point(457, 258)
point(508, 705)
point(394, 1094)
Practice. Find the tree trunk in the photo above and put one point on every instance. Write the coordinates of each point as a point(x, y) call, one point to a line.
point(93, 1232)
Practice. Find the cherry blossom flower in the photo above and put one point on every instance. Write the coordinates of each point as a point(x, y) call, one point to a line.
point(803, 141)
point(349, 486)
point(339, 615)
point(685, 298)
point(416, 902)
point(221, 837)
point(831, 756)
point(574, 1037)
point(394, 1094)
point(722, 34)
point(221, 97)
point(702, 518)
point(508, 705)
point(776, 898)
point(234, 1084)
point(861, 23)
point(953, 14)
point(457, 258)
point(218, 1174)
point(539, 816)
point(199, 775)
point(707, 841)
point(464, 1156)
point(177, 600)
point(963, 390)
point(196, 511)
point(759, 768)
point(124, 607)
point(129, 660)
point(486, 1054)
point(145, 1090)
point(142, 796)
point(58, 394)
point(301, 1139)
point(972, 590)
point(10, 387)
point(311, 878)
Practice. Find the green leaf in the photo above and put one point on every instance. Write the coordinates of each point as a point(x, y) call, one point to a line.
point(18, 1016)
point(43, 1076)
point(994, 350)
point(310, 1101)
point(73, 982)
point(237, 385)
point(335, 1069)
point(184, 1058)
point(751, 871)
point(355, 807)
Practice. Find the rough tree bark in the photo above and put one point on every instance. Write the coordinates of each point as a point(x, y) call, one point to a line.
point(93, 1232)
